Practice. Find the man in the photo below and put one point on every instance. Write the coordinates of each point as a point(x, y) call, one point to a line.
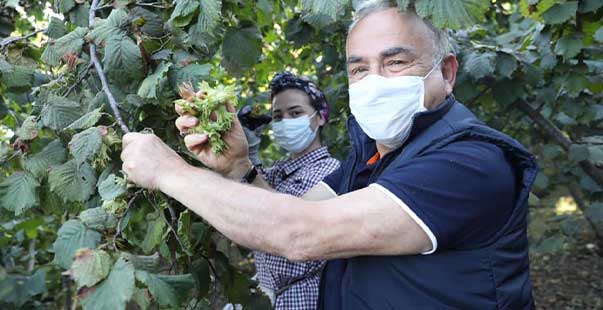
point(427, 212)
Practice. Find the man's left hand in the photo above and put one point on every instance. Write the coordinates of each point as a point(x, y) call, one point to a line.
point(146, 158)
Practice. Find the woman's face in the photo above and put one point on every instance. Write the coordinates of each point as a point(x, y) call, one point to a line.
point(293, 103)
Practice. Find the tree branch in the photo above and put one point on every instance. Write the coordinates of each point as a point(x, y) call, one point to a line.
point(101, 73)
point(8, 41)
point(558, 136)
point(576, 192)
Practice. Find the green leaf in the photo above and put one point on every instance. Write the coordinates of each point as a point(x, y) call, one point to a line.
point(148, 22)
point(29, 128)
point(193, 73)
point(453, 14)
point(560, 12)
point(63, 6)
point(18, 192)
point(202, 275)
point(403, 4)
point(90, 267)
point(56, 28)
point(72, 236)
point(480, 65)
point(160, 289)
point(598, 36)
point(506, 64)
point(70, 43)
point(184, 230)
point(322, 13)
point(79, 15)
point(148, 88)
point(590, 5)
point(59, 112)
point(210, 15)
point(123, 61)
point(565, 119)
point(18, 77)
point(18, 289)
point(183, 12)
point(114, 26)
point(73, 181)
point(111, 187)
point(98, 219)
point(568, 46)
point(87, 120)
point(154, 235)
point(114, 292)
point(52, 154)
point(86, 144)
point(241, 49)
point(595, 213)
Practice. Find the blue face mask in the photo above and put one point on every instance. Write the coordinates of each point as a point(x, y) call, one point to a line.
point(294, 134)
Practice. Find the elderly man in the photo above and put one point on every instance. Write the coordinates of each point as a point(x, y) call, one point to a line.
point(427, 212)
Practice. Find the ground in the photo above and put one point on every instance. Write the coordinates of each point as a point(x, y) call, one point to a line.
point(570, 280)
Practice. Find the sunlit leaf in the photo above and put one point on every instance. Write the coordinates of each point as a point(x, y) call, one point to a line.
point(72, 236)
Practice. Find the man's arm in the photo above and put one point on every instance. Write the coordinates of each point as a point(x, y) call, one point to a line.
point(365, 222)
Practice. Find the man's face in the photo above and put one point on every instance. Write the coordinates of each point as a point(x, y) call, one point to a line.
point(390, 43)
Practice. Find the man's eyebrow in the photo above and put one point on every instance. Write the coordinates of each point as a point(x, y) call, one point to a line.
point(392, 51)
point(354, 59)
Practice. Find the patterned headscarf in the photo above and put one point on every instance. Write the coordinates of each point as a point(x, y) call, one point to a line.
point(287, 80)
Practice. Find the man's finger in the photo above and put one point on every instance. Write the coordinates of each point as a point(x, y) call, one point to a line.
point(229, 107)
point(185, 122)
point(178, 109)
point(195, 140)
point(128, 138)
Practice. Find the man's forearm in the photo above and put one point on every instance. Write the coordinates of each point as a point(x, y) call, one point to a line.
point(249, 216)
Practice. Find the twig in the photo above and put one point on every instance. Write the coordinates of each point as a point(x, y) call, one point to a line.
point(8, 41)
point(153, 5)
point(79, 80)
point(118, 229)
point(558, 136)
point(66, 281)
point(32, 255)
point(101, 73)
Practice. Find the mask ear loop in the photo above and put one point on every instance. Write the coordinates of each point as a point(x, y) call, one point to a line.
point(432, 69)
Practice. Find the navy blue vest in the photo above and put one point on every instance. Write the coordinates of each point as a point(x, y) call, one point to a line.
point(492, 277)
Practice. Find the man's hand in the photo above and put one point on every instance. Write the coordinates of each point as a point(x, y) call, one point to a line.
point(233, 162)
point(146, 158)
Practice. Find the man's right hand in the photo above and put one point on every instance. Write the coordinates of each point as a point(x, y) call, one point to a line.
point(233, 162)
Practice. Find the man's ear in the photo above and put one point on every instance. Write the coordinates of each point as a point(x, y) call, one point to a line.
point(449, 68)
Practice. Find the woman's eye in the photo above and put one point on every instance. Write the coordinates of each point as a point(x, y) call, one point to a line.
point(358, 70)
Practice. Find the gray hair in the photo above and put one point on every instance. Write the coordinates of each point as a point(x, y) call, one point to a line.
point(441, 41)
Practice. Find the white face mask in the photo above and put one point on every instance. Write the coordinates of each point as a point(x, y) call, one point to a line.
point(294, 134)
point(384, 107)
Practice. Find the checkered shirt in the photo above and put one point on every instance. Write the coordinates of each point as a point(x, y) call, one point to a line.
point(294, 177)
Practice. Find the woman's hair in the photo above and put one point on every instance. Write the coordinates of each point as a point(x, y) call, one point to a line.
point(287, 80)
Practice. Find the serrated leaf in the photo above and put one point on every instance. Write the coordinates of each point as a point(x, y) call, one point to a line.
point(322, 13)
point(560, 12)
point(142, 298)
point(18, 289)
point(87, 120)
point(111, 187)
point(73, 181)
point(56, 28)
point(162, 292)
point(86, 144)
point(79, 15)
point(114, 292)
point(453, 14)
point(72, 236)
point(122, 60)
point(148, 87)
point(587, 6)
point(193, 74)
point(183, 12)
point(210, 14)
point(184, 230)
point(480, 65)
point(18, 77)
point(52, 154)
point(90, 267)
point(202, 274)
point(241, 49)
point(63, 6)
point(154, 235)
point(29, 128)
point(59, 112)
point(98, 219)
point(113, 26)
point(598, 36)
point(568, 46)
point(595, 213)
point(18, 192)
point(148, 22)
point(70, 43)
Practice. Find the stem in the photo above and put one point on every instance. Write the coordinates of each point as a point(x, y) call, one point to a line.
point(119, 228)
point(32, 256)
point(79, 80)
point(5, 43)
point(101, 73)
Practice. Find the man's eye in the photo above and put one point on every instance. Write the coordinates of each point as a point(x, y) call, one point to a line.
point(396, 63)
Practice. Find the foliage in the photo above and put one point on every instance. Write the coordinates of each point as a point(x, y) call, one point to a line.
point(533, 69)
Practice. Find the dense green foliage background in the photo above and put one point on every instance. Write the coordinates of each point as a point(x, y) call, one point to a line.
point(72, 233)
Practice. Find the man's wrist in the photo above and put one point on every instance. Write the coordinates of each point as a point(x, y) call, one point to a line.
point(167, 174)
point(239, 169)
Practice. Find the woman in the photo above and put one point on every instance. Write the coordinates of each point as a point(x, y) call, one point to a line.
point(299, 110)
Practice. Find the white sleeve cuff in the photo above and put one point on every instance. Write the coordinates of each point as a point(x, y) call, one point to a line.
point(325, 185)
point(432, 238)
